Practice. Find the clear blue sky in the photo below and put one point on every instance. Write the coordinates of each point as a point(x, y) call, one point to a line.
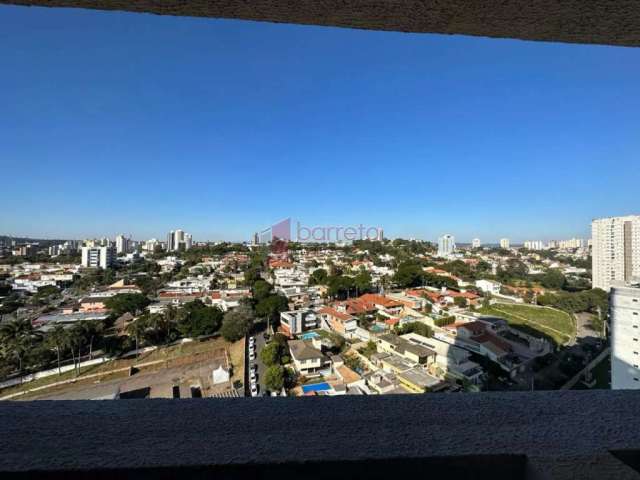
point(114, 122)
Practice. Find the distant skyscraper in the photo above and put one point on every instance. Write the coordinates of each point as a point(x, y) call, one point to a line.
point(170, 244)
point(624, 303)
point(179, 240)
point(475, 243)
point(504, 243)
point(446, 245)
point(122, 244)
point(616, 250)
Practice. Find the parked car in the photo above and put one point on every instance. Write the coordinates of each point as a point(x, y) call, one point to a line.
point(254, 390)
point(252, 356)
point(253, 376)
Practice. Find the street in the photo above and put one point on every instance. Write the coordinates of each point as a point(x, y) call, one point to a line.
point(259, 345)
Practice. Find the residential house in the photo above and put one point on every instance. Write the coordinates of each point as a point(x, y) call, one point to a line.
point(343, 323)
point(397, 345)
point(308, 360)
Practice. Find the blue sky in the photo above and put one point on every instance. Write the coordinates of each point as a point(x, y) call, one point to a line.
point(114, 122)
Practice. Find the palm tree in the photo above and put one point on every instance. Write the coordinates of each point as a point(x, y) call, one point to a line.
point(58, 339)
point(136, 329)
point(74, 338)
point(17, 339)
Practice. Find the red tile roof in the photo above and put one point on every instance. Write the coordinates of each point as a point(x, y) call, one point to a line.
point(335, 314)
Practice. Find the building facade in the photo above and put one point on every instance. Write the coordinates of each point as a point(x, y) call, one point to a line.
point(178, 240)
point(446, 245)
point(122, 244)
point(616, 250)
point(98, 257)
point(625, 336)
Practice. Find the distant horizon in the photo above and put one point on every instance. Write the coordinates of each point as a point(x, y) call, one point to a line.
point(248, 240)
point(224, 127)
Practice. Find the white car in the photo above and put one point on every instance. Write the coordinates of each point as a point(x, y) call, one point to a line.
point(254, 390)
point(252, 341)
point(253, 376)
point(252, 357)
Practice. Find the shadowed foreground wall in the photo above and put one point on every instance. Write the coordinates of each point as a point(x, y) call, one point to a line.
point(569, 434)
point(614, 22)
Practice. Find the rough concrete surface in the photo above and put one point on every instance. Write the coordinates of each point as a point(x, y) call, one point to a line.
point(569, 433)
point(614, 22)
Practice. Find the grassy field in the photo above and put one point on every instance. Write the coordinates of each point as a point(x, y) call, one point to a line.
point(556, 324)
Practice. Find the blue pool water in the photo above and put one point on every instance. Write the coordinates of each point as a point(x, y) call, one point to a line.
point(316, 387)
point(309, 336)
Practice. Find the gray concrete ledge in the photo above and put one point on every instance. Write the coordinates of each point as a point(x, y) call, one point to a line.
point(613, 22)
point(568, 433)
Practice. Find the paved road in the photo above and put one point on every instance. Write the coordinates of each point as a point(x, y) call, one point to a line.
point(260, 343)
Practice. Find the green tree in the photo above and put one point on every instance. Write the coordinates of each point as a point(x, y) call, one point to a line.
point(17, 338)
point(409, 274)
point(237, 323)
point(271, 306)
point(460, 302)
point(318, 277)
point(137, 329)
point(362, 282)
point(553, 279)
point(134, 303)
point(58, 340)
point(196, 319)
point(272, 354)
point(261, 290)
point(274, 378)
point(415, 327)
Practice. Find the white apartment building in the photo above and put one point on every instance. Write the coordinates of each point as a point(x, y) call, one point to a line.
point(475, 243)
point(625, 336)
point(151, 245)
point(179, 240)
point(571, 244)
point(489, 286)
point(122, 244)
point(504, 243)
point(98, 257)
point(534, 245)
point(616, 250)
point(446, 245)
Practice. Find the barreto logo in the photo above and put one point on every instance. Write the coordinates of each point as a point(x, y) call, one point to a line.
point(281, 232)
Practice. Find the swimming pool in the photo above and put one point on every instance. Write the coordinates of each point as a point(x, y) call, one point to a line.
point(316, 387)
point(309, 335)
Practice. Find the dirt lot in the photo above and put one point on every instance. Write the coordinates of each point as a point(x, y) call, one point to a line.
point(187, 365)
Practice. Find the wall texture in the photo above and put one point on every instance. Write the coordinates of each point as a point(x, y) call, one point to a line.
point(613, 22)
point(559, 434)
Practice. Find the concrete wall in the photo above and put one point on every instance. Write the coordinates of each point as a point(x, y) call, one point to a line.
point(614, 22)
